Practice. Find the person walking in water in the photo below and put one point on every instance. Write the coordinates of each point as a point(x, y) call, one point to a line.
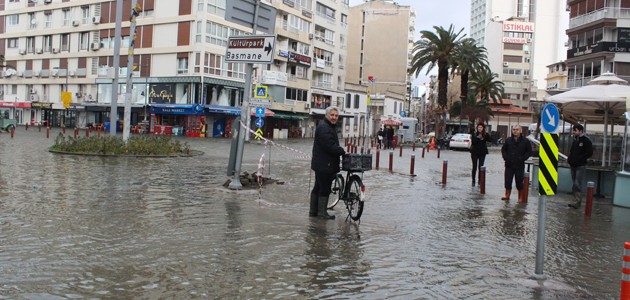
point(581, 151)
point(478, 149)
point(515, 151)
point(325, 162)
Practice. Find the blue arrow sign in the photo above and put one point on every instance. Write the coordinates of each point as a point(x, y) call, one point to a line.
point(260, 112)
point(550, 118)
point(259, 122)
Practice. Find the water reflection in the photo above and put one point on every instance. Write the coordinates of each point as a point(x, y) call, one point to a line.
point(513, 219)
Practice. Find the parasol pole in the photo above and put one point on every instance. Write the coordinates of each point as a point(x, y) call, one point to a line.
point(612, 133)
point(605, 134)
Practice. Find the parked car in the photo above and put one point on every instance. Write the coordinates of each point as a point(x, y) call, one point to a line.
point(460, 141)
point(6, 123)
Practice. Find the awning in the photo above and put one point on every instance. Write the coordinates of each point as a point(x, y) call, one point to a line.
point(391, 122)
point(268, 112)
point(289, 115)
point(222, 109)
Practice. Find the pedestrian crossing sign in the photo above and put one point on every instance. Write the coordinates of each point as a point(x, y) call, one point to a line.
point(261, 91)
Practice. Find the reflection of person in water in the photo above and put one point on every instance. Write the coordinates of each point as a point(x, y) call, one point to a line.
point(335, 259)
point(513, 222)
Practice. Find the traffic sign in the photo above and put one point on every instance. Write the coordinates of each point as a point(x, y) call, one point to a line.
point(550, 119)
point(260, 122)
point(548, 164)
point(256, 49)
point(260, 102)
point(259, 134)
point(66, 99)
point(260, 112)
point(261, 92)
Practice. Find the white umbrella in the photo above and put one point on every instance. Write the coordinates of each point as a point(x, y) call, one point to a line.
point(605, 96)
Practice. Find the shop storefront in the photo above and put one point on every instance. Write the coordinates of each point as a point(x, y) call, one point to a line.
point(177, 119)
point(219, 119)
point(19, 111)
point(41, 113)
point(288, 124)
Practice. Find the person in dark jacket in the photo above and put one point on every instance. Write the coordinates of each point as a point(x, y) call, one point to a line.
point(581, 151)
point(379, 138)
point(389, 134)
point(325, 162)
point(515, 151)
point(478, 149)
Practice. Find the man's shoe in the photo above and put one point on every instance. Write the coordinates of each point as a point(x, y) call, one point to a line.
point(575, 204)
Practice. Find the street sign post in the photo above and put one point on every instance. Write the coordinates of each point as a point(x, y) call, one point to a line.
point(254, 49)
point(261, 92)
point(260, 112)
point(547, 176)
point(259, 123)
point(260, 103)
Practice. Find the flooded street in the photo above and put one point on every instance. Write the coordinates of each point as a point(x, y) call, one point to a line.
point(165, 228)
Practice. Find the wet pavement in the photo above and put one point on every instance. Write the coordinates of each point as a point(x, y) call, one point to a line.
point(165, 228)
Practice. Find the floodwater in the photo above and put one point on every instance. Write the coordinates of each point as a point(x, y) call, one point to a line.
point(122, 228)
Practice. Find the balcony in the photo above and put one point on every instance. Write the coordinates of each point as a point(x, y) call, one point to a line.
point(321, 84)
point(604, 13)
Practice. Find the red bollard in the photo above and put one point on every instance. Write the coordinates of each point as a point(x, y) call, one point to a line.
point(482, 180)
point(391, 161)
point(39, 127)
point(444, 170)
point(98, 133)
point(423, 151)
point(625, 273)
point(361, 150)
point(63, 129)
point(378, 156)
point(26, 127)
point(76, 132)
point(525, 192)
point(348, 148)
point(400, 151)
point(589, 199)
point(368, 152)
point(47, 132)
point(413, 163)
point(12, 131)
point(87, 132)
point(345, 141)
point(438, 153)
point(413, 147)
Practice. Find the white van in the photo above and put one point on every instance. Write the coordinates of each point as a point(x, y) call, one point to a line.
point(408, 130)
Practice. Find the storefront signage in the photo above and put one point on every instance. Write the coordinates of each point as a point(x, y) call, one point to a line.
point(320, 63)
point(274, 78)
point(288, 3)
point(162, 93)
point(599, 47)
point(41, 105)
point(513, 40)
point(518, 26)
point(299, 59)
point(16, 104)
point(177, 109)
point(283, 53)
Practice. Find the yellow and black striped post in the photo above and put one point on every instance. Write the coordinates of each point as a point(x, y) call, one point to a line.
point(548, 164)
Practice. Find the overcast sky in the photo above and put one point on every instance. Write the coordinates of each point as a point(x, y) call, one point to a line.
point(431, 13)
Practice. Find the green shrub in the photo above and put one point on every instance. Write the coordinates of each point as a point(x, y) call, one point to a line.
point(136, 145)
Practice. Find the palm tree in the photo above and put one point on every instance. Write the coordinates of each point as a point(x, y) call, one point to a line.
point(468, 59)
point(486, 88)
point(436, 49)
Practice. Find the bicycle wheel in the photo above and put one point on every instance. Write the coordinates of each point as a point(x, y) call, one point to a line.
point(336, 191)
point(354, 203)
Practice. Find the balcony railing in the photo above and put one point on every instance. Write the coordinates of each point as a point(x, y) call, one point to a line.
point(321, 84)
point(607, 12)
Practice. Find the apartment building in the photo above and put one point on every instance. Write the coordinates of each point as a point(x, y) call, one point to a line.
point(180, 76)
point(522, 37)
point(381, 37)
point(598, 40)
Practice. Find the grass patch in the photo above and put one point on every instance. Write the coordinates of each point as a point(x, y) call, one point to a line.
point(136, 145)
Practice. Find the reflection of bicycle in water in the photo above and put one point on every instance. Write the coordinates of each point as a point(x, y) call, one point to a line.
point(351, 189)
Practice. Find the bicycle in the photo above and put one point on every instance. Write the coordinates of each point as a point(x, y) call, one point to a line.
point(351, 190)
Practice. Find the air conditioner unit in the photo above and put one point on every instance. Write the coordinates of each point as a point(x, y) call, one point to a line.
point(33, 22)
point(55, 50)
point(36, 74)
point(47, 1)
point(307, 105)
point(529, 40)
point(96, 19)
point(22, 51)
point(75, 23)
point(95, 46)
point(526, 77)
point(20, 74)
point(310, 36)
point(566, 44)
point(505, 64)
point(71, 73)
point(54, 72)
point(526, 51)
point(78, 94)
point(33, 91)
point(40, 51)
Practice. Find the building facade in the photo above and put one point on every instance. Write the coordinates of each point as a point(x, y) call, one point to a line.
point(381, 40)
point(180, 77)
point(522, 37)
point(598, 40)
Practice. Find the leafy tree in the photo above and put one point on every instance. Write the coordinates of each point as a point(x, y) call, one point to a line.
point(468, 59)
point(436, 49)
point(485, 87)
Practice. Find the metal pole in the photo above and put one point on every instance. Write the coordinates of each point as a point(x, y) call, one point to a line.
point(540, 238)
point(146, 92)
point(113, 118)
point(135, 8)
point(235, 183)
